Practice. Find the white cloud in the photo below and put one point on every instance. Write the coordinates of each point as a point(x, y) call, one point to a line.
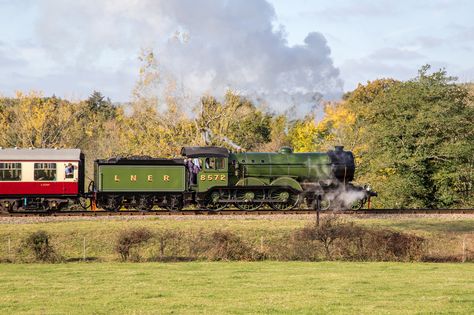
point(357, 71)
point(390, 53)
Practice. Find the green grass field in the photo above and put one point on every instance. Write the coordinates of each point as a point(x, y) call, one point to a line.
point(232, 287)
point(237, 288)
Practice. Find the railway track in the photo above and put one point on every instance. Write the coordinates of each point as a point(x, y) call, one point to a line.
point(236, 212)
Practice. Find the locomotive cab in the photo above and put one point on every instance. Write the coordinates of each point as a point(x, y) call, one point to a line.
point(213, 169)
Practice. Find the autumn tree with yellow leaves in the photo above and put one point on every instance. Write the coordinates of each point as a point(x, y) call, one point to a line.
point(413, 140)
point(32, 120)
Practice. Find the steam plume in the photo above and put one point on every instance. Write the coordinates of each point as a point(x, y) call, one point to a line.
point(207, 46)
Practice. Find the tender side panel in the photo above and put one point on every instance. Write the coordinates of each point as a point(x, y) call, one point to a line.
point(141, 178)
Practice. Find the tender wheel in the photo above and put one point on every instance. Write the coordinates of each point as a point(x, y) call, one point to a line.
point(283, 199)
point(145, 203)
point(174, 203)
point(247, 199)
point(212, 202)
point(113, 203)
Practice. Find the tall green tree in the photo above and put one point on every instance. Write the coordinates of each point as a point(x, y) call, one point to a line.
point(420, 141)
point(100, 104)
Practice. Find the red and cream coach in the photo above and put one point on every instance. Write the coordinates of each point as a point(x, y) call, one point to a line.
point(36, 179)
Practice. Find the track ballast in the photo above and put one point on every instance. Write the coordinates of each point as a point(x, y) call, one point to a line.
point(237, 212)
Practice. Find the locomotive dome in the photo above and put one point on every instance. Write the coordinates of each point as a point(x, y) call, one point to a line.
point(285, 150)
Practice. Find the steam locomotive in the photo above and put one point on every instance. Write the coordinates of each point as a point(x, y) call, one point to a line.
point(210, 178)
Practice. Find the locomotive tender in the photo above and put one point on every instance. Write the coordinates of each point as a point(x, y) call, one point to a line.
point(211, 178)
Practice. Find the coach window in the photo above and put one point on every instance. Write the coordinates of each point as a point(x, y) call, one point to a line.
point(10, 171)
point(45, 171)
point(68, 170)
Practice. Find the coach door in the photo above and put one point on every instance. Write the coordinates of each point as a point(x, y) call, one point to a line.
point(213, 173)
point(68, 175)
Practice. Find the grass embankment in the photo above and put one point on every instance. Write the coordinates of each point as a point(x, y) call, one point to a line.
point(100, 235)
point(237, 287)
point(446, 236)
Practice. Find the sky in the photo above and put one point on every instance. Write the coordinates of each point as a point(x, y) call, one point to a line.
point(285, 52)
point(373, 39)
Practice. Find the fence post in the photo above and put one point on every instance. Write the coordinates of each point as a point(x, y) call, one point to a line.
point(9, 249)
point(84, 248)
point(464, 249)
point(318, 207)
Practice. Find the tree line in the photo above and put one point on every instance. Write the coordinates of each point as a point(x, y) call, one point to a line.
point(413, 140)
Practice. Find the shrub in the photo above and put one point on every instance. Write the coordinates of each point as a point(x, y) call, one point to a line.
point(39, 244)
point(330, 229)
point(226, 245)
point(130, 239)
point(196, 244)
point(336, 239)
point(169, 245)
point(390, 245)
point(220, 245)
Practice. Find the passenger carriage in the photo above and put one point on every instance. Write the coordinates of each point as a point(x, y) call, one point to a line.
point(39, 179)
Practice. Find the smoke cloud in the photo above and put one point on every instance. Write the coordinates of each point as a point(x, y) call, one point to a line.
point(207, 46)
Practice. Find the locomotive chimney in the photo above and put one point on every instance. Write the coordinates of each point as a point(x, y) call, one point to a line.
point(338, 148)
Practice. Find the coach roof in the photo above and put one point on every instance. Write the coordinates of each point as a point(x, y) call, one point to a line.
point(40, 154)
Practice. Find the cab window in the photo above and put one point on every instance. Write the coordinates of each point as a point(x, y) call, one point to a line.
point(220, 164)
point(45, 171)
point(10, 171)
point(214, 163)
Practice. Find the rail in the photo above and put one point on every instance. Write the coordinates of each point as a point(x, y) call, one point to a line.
point(238, 212)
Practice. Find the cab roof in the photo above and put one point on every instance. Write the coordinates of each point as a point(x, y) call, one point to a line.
point(192, 152)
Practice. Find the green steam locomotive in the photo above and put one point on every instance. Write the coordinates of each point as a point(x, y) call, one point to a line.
point(213, 178)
